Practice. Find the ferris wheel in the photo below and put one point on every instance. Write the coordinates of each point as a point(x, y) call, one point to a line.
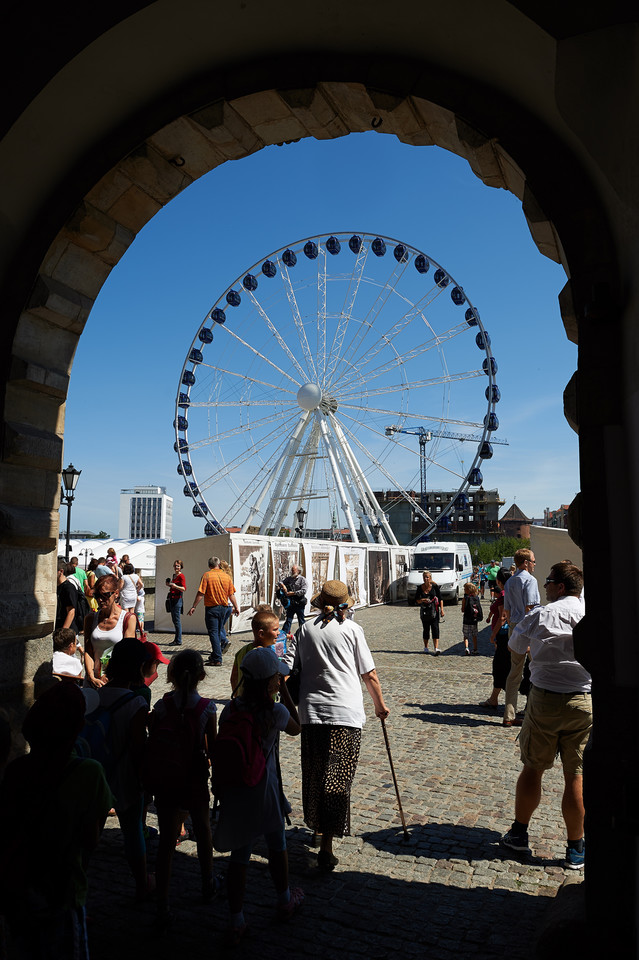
point(305, 378)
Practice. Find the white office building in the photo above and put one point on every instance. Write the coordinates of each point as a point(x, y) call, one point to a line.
point(145, 513)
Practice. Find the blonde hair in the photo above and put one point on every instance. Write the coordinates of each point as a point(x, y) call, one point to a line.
point(226, 567)
point(263, 618)
point(471, 588)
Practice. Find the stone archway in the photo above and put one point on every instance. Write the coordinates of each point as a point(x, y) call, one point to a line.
point(518, 129)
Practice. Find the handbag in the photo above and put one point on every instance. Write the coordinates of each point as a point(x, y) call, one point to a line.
point(167, 605)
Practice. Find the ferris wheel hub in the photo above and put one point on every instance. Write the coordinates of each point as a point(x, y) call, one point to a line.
point(309, 396)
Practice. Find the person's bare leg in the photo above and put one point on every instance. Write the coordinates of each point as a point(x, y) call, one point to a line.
point(572, 806)
point(527, 794)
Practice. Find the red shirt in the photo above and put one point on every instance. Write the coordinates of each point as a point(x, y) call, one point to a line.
point(180, 579)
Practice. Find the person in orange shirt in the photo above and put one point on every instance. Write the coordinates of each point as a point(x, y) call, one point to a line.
point(216, 587)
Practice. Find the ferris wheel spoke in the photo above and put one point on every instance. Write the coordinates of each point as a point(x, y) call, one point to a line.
point(347, 311)
point(403, 414)
point(321, 311)
point(278, 336)
point(243, 403)
point(232, 465)
point(297, 319)
point(245, 376)
point(399, 359)
point(414, 313)
point(278, 422)
point(410, 385)
point(368, 321)
point(392, 479)
point(262, 356)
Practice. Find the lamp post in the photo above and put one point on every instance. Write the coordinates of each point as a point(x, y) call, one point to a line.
point(69, 482)
point(299, 515)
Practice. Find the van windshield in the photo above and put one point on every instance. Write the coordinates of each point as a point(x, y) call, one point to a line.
point(434, 561)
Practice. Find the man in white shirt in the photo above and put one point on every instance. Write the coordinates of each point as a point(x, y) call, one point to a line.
point(521, 595)
point(559, 715)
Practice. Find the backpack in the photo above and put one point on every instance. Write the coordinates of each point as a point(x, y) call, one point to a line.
point(94, 740)
point(238, 755)
point(428, 609)
point(174, 756)
point(82, 607)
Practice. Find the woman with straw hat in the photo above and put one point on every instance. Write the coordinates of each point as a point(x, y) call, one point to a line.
point(332, 655)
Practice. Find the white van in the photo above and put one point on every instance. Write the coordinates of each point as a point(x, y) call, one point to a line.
point(450, 567)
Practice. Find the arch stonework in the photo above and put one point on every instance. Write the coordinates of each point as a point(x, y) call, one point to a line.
point(530, 115)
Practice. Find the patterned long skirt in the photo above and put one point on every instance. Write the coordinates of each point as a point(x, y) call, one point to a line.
point(329, 761)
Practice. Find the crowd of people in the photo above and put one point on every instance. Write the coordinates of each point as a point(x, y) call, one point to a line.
point(97, 725)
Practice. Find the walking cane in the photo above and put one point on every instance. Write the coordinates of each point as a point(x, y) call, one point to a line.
point(390, 760)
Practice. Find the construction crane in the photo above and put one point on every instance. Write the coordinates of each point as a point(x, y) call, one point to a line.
point(426, 435)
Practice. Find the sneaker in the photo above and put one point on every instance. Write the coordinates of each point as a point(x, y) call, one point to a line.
point(225, 646)
point(212, 887)
point(425, 650)
point(286, 910)
point(466, 652)
point(515, 841)
point(574, 859)
point(436, 653)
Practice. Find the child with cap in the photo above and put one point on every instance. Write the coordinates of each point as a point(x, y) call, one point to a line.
point(247, 813)
point(266, 628)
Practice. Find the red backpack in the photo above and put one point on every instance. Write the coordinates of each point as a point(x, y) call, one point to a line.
point(237, 753)
point(174, 756)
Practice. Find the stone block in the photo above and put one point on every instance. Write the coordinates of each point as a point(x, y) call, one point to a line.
point(440, 123)
point(25, 486)
point(568, 313)
point(38, 341)
point(258, 108)
point(75, 267)
point(39, 378)
point(185, 144)
point(315, 111)
point(227, 130)
point(59, 304)
point(152, 172)
point(30, 446)
point(99, 233)
point(34, 408)
point(570, 402)
point(29, 528)
point(134, 208)
point(541, 229)
point(352, 102)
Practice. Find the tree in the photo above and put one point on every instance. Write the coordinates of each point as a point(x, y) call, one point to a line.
point(102, 535)
point(496, 549)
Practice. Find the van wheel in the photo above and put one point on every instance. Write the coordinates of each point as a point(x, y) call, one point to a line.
point(456, 600)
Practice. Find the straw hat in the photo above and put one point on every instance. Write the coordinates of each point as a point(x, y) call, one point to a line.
point(332, 594)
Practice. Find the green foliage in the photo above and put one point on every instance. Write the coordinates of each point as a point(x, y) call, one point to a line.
point(487, 550)
point(102, 535)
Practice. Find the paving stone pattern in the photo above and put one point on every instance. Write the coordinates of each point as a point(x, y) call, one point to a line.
point(446, 892)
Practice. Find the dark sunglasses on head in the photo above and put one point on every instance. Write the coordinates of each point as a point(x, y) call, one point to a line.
point(104, 596)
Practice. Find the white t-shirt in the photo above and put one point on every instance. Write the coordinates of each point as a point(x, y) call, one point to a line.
point(332, 657)
point(64, 663)
point(548, 632)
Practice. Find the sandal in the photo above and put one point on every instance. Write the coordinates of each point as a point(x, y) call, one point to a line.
point(187, 835)
point(487, 705)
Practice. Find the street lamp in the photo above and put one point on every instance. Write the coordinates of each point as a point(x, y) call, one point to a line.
point(69, 482)
point(300, 514)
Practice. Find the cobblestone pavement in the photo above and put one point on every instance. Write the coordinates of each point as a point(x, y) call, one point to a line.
point(446, 892)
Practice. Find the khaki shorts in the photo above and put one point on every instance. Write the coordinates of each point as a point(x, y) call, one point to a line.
point(556, 724)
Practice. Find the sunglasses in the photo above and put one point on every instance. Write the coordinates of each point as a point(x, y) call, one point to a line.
point(104, 596)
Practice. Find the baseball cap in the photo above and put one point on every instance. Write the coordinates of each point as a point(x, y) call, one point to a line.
point(262, 663)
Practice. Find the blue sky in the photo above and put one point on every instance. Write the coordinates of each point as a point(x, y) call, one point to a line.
point(130, 357)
